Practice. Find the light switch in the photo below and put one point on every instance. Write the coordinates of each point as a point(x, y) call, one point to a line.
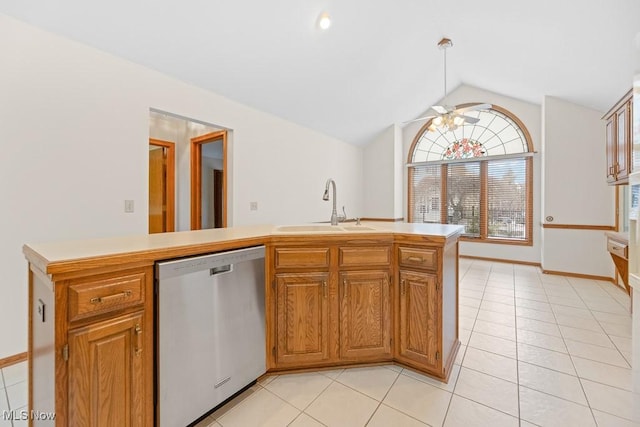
point(128, 206)
point(253, 206)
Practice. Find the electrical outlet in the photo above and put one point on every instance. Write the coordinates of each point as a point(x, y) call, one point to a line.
point(253, 206)
point(41, 307)
point(128, 206)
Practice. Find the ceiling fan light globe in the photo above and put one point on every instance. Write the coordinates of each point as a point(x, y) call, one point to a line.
point(324, 22)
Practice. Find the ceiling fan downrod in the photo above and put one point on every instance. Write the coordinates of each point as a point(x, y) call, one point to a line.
point(443, 45)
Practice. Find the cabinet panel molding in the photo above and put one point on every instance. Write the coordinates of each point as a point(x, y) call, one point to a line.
point(106, 382)
point(419, 318)
point(302, 318)
point(365, 315)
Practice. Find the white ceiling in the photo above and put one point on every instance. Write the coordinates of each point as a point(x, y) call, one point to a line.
point(378, 63)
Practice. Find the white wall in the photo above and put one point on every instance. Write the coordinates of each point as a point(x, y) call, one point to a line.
point(529, 114)
point(575, 191)
point(74, 139)
point(383, 172)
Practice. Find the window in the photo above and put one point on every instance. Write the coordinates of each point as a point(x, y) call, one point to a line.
point(478, 175)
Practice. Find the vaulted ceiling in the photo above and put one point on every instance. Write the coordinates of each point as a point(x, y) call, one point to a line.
point(376, 65)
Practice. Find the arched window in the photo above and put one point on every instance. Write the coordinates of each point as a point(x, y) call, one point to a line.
point(478, 175)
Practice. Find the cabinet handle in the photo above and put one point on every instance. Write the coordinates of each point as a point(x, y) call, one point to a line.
point(138, 332)
point(324, 288)
point(415, 259)
point(403, 287)
point(100, 300)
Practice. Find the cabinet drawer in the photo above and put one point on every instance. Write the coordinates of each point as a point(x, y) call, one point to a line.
point(364, 256)
point(418, 258)
point(109, 294)
point(616, 248)
point(302, 258)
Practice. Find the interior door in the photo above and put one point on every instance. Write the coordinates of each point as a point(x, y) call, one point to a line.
point(161, 186)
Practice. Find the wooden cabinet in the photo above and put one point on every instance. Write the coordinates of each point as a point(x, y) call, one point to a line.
point(106, 378)
point(345, 302)
point(427, 319)
point(365, 315)
point(332, 304)
point(92, 345)
point(419, 316)
point(302, 318)
point(618, 248)
point(618, 132)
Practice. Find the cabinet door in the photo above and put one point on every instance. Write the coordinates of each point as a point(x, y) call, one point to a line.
point(622, 142)
point(611, 149)
point(106, 373)
point(302, 318)
point(365, 315)
point(419, 318)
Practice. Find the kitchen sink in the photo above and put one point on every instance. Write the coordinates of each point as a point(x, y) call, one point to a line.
point(306, 228)
point(321, 228)
point(357, 228)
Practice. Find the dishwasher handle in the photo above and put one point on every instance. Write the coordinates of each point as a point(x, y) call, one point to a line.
point(221, 270)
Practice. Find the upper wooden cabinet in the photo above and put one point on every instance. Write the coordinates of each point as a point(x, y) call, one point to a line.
point(618, 138)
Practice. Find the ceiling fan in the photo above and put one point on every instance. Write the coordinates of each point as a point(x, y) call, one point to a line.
point(446, 117)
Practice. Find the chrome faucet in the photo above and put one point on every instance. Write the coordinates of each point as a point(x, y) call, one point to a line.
point(325, 197)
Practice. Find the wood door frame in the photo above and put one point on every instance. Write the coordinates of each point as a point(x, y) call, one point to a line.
point(170, 222)
point(196, 176)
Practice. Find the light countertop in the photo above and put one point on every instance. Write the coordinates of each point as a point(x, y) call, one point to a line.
point(45, 254)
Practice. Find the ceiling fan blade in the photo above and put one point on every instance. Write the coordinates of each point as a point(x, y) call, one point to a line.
point(419, 119)
point(469, 119)
point(439, 109)
point(473, 108)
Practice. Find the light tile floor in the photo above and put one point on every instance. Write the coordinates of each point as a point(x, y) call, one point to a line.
point(537, 350)
point(13, 394)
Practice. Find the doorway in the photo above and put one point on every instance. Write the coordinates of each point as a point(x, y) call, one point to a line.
point(161, 186)
point(209, 180)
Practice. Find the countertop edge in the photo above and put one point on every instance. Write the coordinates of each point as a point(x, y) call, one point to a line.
point(36, 254)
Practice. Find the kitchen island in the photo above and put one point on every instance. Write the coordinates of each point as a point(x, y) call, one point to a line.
point(335, 296)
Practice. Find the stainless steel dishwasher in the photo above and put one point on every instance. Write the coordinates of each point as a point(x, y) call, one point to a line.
point(211, 331)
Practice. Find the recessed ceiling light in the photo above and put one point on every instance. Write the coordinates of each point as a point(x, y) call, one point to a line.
point(324, 21)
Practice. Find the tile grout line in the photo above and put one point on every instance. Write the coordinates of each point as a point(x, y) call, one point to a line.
point(289, 403)
point(484, 373)
point(580, 379)
point(6, 393)
point(314, 399)
point(599, 324)
point(453, 390)
point(593, 416)
point(515, 327)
